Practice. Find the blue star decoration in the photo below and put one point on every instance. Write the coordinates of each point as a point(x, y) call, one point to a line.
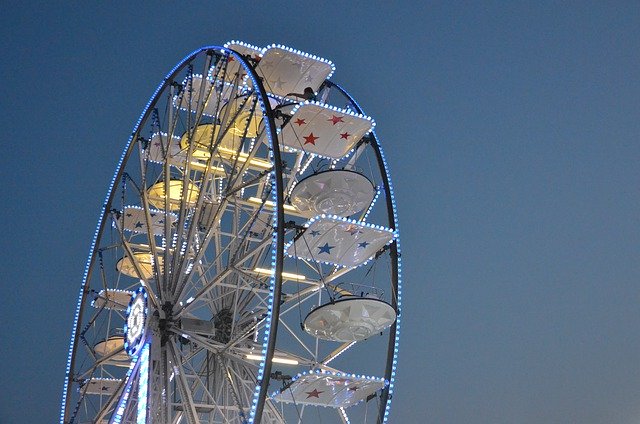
point(364, 244)
point(325, 249)
point(138, 224)
point(315, 233)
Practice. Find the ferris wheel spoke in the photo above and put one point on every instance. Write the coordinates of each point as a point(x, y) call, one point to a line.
point(297, 167)
point(109, 405)
point(210, 285)
point(179, 265)
point(151, 236)
point(204, 244)
point(302, 344)
point(183, 387)
point(337, 352)
point(201, 340)
point(231, 378)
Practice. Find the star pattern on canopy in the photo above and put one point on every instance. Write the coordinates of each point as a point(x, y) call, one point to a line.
point(314, 393)
point(310, 139)
point(325, 249)
point(328, 131)
point(323, 389)
point(279, 83)
point(339, 241)
point(135, 219)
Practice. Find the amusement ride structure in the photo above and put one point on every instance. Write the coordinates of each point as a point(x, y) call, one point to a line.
point(246, 263)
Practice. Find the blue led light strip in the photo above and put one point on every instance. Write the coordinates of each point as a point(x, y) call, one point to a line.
point(395, 330)
point(143, 385)
point(116, 418)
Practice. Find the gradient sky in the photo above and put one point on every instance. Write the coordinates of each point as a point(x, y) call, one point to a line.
point(512, 130)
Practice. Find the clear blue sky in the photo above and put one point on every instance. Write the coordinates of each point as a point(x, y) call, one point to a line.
point(513, 134)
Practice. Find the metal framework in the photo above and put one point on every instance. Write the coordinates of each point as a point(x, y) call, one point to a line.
point(231, 212)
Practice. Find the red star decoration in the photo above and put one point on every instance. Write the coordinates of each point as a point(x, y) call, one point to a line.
point(335, 119)
point(353, 229)
point(231, 59)
point(257, 58)
point(310, 139)
point(300, 121)
point(345, 135)
point(314, 393)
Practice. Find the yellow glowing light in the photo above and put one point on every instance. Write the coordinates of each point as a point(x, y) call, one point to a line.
point(156, 194)
point(245, 120)
point(285, 275)
point(275, 359)
point(145, 263)
point(271, 205)
point(205, 136)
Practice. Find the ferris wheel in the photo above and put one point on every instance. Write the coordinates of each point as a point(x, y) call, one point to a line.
point(246, 263)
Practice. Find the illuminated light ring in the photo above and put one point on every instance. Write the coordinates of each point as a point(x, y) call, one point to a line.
point(135, 333)
point(394, 336)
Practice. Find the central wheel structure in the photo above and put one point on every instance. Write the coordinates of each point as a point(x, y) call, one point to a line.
point(245, 266)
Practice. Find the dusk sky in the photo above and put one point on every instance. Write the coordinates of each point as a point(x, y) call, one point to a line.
point(512, 130)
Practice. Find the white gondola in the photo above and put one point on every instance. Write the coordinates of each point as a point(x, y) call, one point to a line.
point(114, 299)
point(113, 348)
point(145, 262)
point(232, 68)
point(324, 130)
point(134, 220)
point(161, 146)
point(285, 71)
point(214, 97)
point(325, 388)
point(338, 241)
point(157, 195)
point(335, 192)
point(102, 386)
point(350, 319)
